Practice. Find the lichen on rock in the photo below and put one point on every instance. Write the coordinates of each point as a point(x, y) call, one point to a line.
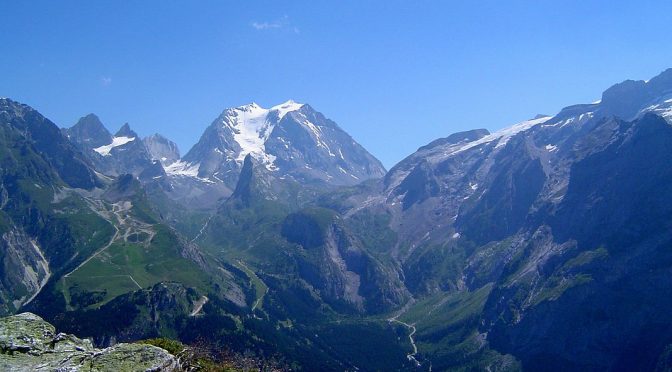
point(28, 343)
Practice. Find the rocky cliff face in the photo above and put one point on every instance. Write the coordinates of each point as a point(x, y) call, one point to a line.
point(25, 270)
point(28, 343)
point(162, 149)
point(338, 264)
point(587, 256)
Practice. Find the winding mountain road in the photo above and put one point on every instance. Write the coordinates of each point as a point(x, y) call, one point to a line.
point(411, 356)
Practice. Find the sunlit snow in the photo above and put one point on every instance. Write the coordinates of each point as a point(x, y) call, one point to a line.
point(252, 125)
point(181, 168)
point(116, 142)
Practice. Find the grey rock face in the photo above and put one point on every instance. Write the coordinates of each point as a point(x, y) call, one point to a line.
point(28, 343)
point(337, 264)
point(89, 132)
point(162, 149)
point(25, 270)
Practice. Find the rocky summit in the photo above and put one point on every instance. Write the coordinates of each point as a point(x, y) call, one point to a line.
point(28, 343)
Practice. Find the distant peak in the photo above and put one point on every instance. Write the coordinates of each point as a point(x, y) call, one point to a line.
point(91, 116)
point(125, 131)
point(288, 103)
point(157, 136)
point(661, 83)
point(90, 121)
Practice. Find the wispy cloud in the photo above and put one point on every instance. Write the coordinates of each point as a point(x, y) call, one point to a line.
point(282, 22)
point(266, 25)
point(106, 81)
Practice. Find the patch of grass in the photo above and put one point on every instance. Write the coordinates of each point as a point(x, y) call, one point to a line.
point(192, 358)
point(260, 287)
point(373, 229)
point(586, 257)
point(126, 267)
point(89, 230)
point(556, 286)
point(172, 346)
point(108, 286)
point(447, 309)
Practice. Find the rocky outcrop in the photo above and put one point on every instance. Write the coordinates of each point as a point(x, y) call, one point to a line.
point(28, 343)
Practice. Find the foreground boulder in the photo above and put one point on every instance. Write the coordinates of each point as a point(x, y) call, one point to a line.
point(28, 343)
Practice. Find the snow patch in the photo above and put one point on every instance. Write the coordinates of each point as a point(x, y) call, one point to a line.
point(501, 136)
point(586, 115)
point(663, 109)
point(181, 168)
point(116, 142)
point(284, 108)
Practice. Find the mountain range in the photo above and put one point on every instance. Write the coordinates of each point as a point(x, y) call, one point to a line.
point(542, 246)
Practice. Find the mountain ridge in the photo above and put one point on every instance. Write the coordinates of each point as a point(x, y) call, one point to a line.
point(468, 253)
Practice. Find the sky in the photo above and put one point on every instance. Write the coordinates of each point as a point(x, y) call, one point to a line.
point(394, 74)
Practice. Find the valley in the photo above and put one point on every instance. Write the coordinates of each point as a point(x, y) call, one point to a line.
point(278, 235)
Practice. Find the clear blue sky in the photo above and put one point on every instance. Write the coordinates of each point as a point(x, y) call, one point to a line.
point(394, 74)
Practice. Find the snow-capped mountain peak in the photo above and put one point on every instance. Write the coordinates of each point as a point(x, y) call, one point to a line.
point(252, 125)
point(290, 138)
